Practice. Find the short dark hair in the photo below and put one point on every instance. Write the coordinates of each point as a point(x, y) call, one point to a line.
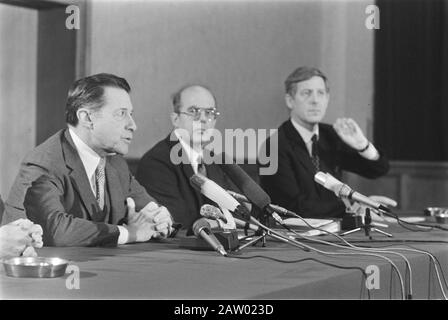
point(176, 97)
point(302, 74)
point(88, 93)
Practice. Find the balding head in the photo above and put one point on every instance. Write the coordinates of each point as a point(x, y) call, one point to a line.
point(188, 91)
point(194, 114)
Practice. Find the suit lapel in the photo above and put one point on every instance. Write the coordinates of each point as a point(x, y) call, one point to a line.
point(185, 167)
point(327, 153)
point(78, 175)
point(187, 170)
point(299, 147)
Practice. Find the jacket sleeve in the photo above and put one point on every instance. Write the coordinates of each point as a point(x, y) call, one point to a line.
point(44, 206)
point(350, 160)
point(160, 181)
point(138, 193)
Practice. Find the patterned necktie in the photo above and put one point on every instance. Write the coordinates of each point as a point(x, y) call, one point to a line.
point(315, 153)
point(100, 179)
point(201, 167)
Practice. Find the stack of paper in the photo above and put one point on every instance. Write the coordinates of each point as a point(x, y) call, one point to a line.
point(305, 230)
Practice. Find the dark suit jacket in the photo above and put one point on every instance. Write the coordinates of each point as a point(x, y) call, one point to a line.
point(170, 183)
point(52, 189)
point(293, 186)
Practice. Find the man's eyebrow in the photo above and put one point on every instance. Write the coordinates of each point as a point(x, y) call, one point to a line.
point(196, 107)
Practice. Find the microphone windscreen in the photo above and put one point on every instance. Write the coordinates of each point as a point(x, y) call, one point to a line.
point(321, 178)
point(197, 181)
point(214, 192)
point(333, 184)
point(200, 225)
point(211, 212)
point(247, 185)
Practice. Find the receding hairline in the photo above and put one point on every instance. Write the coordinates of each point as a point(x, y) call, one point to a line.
point(194, 89)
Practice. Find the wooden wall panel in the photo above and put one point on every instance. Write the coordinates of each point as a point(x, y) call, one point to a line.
point(414, 185)
point(18, 69)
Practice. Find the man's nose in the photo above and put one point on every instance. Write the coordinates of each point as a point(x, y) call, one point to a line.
point(131, 125)
point(203, 117)
point(314, 97)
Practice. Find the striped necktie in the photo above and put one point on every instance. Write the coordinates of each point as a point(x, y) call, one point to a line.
point(314, 152)
point(100, 179)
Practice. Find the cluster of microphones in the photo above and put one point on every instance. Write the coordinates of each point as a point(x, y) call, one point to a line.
point(232, 202)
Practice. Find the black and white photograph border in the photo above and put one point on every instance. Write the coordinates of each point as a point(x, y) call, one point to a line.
point(386, 62)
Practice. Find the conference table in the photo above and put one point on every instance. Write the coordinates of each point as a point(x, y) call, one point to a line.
point(164, 269)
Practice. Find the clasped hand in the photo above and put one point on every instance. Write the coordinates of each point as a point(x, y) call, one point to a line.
point(20, 237)
point(152, 221)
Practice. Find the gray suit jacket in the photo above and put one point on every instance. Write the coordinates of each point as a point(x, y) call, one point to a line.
point(52, 189)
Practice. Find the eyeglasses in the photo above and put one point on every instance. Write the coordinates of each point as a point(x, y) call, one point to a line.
point(195, 112)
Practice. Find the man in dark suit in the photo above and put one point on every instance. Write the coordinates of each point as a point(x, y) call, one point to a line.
point(76, 184)
point(167, 178)
point(306, 146)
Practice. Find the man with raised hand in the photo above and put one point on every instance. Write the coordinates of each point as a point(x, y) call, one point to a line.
point(306, 146)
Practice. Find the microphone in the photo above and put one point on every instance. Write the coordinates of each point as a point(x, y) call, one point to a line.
point(238, 196)
point(247, 185)
point(211, 212)
point(255, 194)
point(246, 225)
point(217, 194)
point(202, 228)
point(276, 208)
point(342, 190)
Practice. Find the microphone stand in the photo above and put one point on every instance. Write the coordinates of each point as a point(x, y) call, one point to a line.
point(264, 231)
point(260, 233)
point(367, 227)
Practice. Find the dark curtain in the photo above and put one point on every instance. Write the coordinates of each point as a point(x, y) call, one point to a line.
point(411, 79)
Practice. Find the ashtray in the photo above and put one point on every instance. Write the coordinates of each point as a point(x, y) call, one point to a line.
point(435, 211)
point(35, 267)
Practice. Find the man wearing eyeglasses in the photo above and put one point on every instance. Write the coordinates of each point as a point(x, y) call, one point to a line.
point(306, 146)
point(193, 118)
point(76, 184)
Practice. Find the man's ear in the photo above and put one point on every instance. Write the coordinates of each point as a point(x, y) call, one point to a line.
point(288, 101)
point(174, 119)
point(84, 118)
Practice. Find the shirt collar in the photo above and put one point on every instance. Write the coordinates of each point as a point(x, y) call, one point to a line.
point(89, 158)
point(304, 132)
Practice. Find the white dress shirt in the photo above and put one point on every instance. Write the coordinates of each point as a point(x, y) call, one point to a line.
point(306, 134)
point(90, 159)
point(192, 155)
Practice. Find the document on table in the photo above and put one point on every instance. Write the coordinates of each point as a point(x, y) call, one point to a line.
point(305, 230)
